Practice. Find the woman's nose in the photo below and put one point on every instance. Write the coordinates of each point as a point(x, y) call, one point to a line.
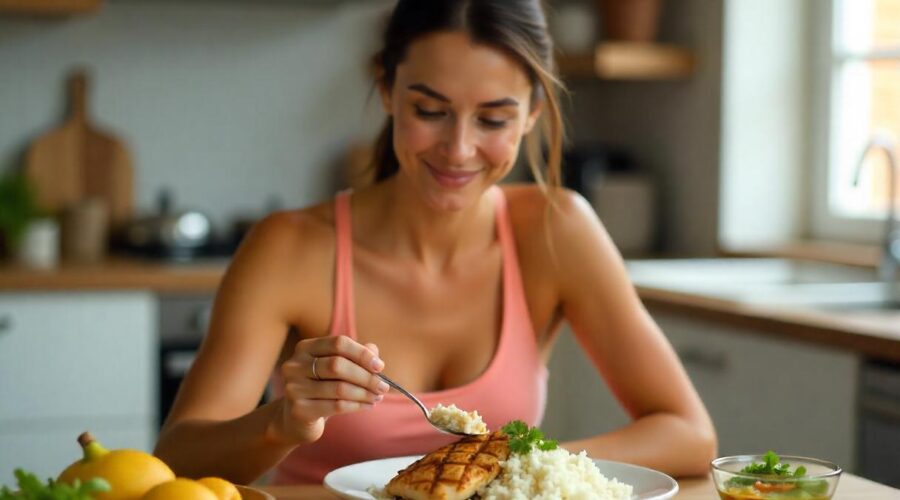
point(459, 143)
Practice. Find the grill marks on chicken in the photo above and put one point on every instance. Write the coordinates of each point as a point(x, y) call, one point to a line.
point(453, 472)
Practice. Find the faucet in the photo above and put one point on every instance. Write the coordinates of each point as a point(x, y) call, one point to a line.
point(890, 258)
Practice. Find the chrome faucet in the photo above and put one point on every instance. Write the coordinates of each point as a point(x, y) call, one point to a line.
point(890, 258)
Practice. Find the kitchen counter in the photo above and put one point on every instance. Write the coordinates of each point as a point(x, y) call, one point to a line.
point(872, 333)
point(117, 273)
point(774, 304)
point(850, 488)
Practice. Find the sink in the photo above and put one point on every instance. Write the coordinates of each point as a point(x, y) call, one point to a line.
point(740, 273)
point(772, 282)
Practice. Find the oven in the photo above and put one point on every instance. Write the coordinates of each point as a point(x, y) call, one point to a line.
point(183, 321)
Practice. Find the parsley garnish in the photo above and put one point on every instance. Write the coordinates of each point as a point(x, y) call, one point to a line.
point(523, 439)
point(772, 469)
point(32, 488)
point(771, 466)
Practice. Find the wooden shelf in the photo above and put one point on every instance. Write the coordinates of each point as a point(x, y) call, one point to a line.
point(629, 61)
point(48, 8)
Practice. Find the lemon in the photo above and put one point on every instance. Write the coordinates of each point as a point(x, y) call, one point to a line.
point(222, 488)
point(180, 489)
point(130, 473)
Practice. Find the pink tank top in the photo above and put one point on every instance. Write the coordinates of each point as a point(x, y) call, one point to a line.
point(512, 387)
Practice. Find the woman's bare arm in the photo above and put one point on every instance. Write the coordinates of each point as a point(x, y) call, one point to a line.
point(671, 430)
point(276, 279)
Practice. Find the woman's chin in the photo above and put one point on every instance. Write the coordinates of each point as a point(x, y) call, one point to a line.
point(450, 201)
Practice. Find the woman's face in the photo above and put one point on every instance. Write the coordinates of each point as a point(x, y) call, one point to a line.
point(460, 111)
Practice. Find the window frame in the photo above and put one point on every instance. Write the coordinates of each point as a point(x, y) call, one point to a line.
point(827, 57)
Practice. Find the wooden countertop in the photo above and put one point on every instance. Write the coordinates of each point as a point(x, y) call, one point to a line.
point(873, 333)
point(850, 488)
point(117, 273)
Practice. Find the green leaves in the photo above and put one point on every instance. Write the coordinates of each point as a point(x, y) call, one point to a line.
point(32, 488)
point(18, 206)
point(771, 465)
point(523, 439)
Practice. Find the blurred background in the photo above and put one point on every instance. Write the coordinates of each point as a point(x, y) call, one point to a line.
point(140, 139)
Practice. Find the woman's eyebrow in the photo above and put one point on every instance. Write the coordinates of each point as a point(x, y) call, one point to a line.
point(434, 94)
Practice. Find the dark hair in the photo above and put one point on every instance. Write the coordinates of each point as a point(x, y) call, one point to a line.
point(517, 27)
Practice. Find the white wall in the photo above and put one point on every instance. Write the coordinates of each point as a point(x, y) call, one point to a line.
point(766, 91)
point(227, 103)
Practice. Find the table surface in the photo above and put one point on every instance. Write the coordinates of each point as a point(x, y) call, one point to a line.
point(850, 488)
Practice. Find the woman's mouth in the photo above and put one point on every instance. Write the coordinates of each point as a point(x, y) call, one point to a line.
point(452, 179)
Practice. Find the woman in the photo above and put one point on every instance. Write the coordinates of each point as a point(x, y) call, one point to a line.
point(449, 284)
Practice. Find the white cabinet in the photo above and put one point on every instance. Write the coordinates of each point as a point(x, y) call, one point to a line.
point(71, 362)
point(762, 391)
point(768, 393)
point(579, 404)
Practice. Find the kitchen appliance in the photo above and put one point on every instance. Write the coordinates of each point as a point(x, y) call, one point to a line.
point(170, 234)
point(623, 195)
point(183, 322)
point(879, 423)
point(78, 160)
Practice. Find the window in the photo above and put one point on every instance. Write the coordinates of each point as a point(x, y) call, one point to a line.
point(859, 93)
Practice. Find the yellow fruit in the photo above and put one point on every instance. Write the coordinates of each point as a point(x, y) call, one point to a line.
point(180, 489)
point(222, 488)
point(130, 473)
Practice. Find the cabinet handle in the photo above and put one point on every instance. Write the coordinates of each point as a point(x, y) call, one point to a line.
point(5, 323)
point(704, 359)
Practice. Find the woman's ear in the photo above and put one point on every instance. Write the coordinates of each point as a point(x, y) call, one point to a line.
point(533, 114)
point(385, 92)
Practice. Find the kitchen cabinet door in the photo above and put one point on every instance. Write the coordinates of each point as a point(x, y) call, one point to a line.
point(579, 404)
point(766, 393)
point(47, 450)
point(74, 362)
point(70, 355)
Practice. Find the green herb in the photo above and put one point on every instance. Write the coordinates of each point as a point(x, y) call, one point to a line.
point(32, 488)
point(771, 466)
point(523, 439)
point(773, 469)
point(18, 207)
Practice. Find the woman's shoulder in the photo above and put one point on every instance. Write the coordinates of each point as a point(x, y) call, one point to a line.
point(533, 213)
point(295, 235)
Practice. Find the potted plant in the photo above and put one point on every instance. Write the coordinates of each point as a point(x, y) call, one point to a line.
point(28, 232)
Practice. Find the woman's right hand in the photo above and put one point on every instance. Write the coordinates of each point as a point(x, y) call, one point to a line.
point(326, 376)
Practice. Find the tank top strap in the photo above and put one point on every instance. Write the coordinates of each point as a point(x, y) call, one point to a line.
point(512, 280)
point(515, 305)
point(342, 322)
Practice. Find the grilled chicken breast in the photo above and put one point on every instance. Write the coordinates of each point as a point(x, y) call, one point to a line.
point(453, 472)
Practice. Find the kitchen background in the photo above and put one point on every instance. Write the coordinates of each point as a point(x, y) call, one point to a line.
point(236, 107)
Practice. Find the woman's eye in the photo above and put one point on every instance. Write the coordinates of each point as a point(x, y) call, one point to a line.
point(429, 114)
point(487, 122)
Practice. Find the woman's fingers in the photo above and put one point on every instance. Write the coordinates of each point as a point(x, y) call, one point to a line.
point(309, 409)
point(334, 390)
point(341, 345)
point(372, 347)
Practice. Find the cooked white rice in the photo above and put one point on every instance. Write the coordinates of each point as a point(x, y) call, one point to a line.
point(455, 419)
point(555, 474)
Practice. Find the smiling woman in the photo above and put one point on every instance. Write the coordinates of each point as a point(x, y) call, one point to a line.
point(432, 274)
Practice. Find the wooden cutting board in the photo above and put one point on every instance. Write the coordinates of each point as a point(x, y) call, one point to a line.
point(78, 160)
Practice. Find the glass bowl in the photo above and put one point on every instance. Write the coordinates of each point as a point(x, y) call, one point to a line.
point(819, 482)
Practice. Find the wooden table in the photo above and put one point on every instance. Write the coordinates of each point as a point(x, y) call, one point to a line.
point(850, 488)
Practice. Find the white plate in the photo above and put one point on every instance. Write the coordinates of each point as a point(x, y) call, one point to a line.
point(351, 481)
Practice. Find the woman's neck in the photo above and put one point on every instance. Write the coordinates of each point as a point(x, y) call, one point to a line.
point(399, 222)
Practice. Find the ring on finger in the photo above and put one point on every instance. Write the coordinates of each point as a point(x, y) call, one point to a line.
point(314, 373)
